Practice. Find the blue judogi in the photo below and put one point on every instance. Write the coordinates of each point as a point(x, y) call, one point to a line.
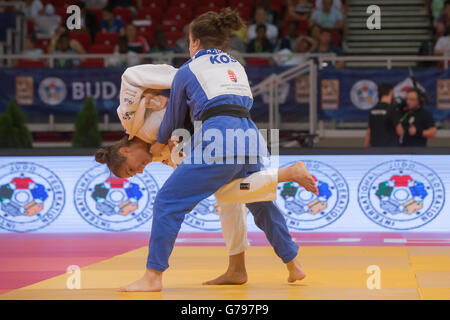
point(209, 79)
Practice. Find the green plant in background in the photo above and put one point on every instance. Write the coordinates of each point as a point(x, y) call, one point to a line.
point(87, 134)
point(13, 130)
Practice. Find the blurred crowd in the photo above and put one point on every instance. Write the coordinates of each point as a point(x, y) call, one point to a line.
point(124, 28)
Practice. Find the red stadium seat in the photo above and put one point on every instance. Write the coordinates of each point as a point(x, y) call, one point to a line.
point(145, 29)
point(170, 28)
point(245, 13)
point(257, 61)
point(336, 38)
point(154, 4)
point(303, 27)
point(62, 3)
point(101, 48)
point(152, 14)
point(93, 62)
point(178, 13)
point(43, 44)
point(30, 63)
point(276, 5)
point(30, 26)
point(183, 4)
point(202, 9)
point(108, 38)
point(62, 13)
point(84, 38)
point(241, 4)
point(147, 35)
point(212, 4)
point(98, 15)
point(172, 37)
point(123, 13)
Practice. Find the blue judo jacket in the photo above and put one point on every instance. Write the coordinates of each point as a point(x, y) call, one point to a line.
point(209, 79)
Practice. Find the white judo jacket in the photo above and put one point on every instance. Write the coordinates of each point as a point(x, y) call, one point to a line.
point(142, 107)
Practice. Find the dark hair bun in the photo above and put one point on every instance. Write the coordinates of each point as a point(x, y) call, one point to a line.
point(101, 156)
point(229, 19)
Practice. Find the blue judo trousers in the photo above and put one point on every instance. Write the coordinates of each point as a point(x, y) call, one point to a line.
point(209, 79)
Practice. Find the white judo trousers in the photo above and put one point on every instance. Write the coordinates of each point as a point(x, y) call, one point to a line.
point(141, 111)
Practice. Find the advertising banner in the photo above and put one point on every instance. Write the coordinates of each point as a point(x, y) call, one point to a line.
point(357, 193)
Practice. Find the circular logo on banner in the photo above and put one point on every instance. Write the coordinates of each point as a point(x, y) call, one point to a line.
point(52, 91)
point(401, 195)
point(204, 216)
point(31, 197)
point(304, 210)
point(115, 204)
point(364, 94)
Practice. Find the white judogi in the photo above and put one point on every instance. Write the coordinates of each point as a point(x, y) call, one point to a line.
point(141, 111)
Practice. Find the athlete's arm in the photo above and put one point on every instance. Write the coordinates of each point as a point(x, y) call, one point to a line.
point(176, 111)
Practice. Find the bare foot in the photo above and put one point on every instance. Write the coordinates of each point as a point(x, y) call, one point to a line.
point(295, 271)
point(229, 278)
point(150, 281)
point(301, 175)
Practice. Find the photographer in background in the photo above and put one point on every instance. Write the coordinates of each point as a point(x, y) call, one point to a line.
point(384, 121)
point(417, 122)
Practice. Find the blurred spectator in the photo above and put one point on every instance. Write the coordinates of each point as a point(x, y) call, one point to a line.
point(122, 56)
point(299, 9)
point(46, 22)
point(32, 8)
point(260, 18)
point(418, 123)
point(286, 57)
point(327, 17)
point(444, 20)
point(384, 128)
point(290, 40)
point(63, 46)
point(261, 43)
point(182, 44)
point(442, 46)
point(95, 4)
point(111, 23)
point(314, 32)
point(160, 44)
point(337, 4)
point(325, 46)
point(29, 46)
point(272, 16)
point(88, 20)
point(306, 44)
point(436, 9)
point(236, 43)
point(136, 43)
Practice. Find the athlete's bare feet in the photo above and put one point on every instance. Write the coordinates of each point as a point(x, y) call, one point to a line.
point(236, 273)
point(295, 271)
point(298, 173)
point(228, 278)
point(150, 281)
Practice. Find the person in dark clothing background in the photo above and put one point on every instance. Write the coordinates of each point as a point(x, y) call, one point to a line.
point(261, 43)
point(417, 122)
point(384, 121)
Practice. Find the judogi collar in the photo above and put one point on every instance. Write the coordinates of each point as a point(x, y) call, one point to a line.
point(202, 52)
